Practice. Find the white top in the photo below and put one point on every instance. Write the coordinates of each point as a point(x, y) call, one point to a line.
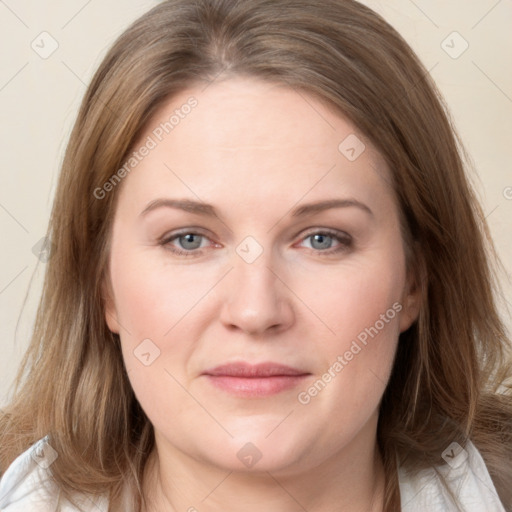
point(26, 486)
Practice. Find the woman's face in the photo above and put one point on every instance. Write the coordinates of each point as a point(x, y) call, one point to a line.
point(257, 330)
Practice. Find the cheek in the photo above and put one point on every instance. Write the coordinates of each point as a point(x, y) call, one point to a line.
point(355, 298)
point(152, 297)
point(150, 305)
point(360, 308)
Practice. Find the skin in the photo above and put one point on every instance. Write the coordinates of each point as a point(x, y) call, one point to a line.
point(256, 151)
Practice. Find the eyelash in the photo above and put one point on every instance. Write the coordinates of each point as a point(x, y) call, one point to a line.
point(344, 239)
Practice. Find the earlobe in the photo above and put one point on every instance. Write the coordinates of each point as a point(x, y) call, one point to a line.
point(111, 319)
point(109, 308)
point(413, 295)
point(411, 310)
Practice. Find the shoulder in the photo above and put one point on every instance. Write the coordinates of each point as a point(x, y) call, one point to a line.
point(466, 476)
point(27, 485)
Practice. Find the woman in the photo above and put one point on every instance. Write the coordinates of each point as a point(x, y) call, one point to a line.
point(328, 341)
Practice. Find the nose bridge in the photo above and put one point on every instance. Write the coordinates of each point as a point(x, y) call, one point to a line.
point(255, 298)
point(252, 267)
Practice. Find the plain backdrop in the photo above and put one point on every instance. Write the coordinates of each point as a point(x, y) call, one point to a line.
point(465, 44)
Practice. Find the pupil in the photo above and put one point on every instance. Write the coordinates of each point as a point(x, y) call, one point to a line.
point(189, 239)
point(324, 239)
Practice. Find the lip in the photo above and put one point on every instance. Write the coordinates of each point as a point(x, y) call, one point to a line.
point(255, 380)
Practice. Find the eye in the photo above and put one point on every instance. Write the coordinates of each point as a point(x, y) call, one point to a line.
point(190, 241)
point(321, 241)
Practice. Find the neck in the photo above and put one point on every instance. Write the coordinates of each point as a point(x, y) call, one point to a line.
point(351, 480)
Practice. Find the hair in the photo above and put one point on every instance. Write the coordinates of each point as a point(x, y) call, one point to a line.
point(450, 379)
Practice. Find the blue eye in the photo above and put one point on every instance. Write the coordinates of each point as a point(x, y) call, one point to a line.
point(190, 242)
point(323, 241)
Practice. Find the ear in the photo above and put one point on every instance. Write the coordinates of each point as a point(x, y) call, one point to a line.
point(413, 293)
point(110, 307)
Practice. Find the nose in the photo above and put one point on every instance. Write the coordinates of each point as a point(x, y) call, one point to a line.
point(256, 298)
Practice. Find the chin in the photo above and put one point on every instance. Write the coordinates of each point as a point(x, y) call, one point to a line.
point(263, 450)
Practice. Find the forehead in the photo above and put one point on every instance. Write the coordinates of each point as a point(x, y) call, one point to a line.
point(246, 137)
point(238, 113)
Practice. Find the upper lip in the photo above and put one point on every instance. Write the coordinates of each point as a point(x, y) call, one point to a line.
point(248, 370)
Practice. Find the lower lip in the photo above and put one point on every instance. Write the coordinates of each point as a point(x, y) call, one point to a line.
point(256, 386)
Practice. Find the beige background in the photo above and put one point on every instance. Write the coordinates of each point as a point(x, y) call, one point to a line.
point(39, 98)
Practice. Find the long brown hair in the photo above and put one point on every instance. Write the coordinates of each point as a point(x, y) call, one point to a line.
point(450, 364)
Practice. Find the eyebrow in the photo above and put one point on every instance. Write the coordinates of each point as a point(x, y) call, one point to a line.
point(208, 210)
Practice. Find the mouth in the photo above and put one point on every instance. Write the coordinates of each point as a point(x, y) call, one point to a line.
point(260, 380)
